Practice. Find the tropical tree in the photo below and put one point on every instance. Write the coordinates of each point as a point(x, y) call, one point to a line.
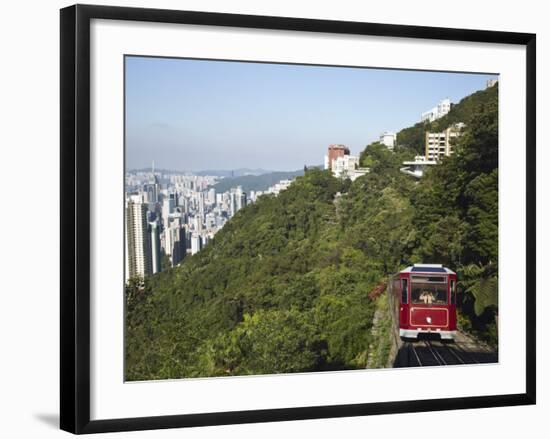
point(481, 281)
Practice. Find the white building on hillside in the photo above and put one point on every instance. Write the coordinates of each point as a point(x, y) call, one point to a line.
point(417, 167)
point(347, 166)
point(388, 138)
point(437, 112)
point(278, 187)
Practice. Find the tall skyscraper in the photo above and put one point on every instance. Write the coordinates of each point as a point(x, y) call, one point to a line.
point(139, 258)
point(212, 196)
point(437, 112)
point(174, 197)
point(196, 244)
point(232, 203)
point(152, 189)
point(156, 255)
point(167, 209)
point(197, 223)
point(240, 198)
point(201, 204)
point(175, 242)
point(151, 193)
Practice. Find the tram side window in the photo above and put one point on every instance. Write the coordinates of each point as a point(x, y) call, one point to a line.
point(404, 291)
point(453, 292)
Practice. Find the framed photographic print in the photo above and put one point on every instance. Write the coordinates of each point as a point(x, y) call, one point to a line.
point(273, 218)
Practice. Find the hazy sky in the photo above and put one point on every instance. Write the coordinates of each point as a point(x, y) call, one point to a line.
point(195, 115)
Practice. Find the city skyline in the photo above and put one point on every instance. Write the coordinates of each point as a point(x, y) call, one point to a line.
point(194, 115)
point(171, 216)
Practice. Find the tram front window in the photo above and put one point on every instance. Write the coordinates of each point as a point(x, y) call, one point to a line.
point(428, 290)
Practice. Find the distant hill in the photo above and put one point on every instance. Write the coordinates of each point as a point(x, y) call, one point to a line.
point(157, 170)
point(255, 182)
point(233, 172)
point(217, 172)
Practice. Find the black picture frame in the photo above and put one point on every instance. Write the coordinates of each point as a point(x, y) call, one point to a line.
point(75, 217)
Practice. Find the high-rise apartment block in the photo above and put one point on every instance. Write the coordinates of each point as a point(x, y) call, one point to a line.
point(175, 245)
point(196, 244)
point(439, 145)
point(240, 198)
point(168, 205)
point(138, 258)
point(156, 254)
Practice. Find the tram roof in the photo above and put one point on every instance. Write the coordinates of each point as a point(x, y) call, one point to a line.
point(427, 268)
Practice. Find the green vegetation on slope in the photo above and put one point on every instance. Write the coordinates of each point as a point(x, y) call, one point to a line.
point(284, 286)
point(414, 137)
point(276, 291)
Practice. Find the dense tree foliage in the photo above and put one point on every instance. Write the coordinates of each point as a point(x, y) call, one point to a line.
point(456, 207)
point(275, 291)
point(284, 286)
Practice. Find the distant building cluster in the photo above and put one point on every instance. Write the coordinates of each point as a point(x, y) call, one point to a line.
point(171, 215)
point(342, 164)
point(440, 110)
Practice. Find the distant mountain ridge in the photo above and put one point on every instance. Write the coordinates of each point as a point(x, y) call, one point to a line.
point(216, 172)
point(233, 172)
point(256, 182)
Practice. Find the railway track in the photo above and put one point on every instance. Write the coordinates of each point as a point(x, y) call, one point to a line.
point(437, 353)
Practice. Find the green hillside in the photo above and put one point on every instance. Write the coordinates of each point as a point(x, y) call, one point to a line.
point(284, 286)
point(414, 137)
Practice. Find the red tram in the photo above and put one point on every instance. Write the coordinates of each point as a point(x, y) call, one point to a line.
point(424, 299)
